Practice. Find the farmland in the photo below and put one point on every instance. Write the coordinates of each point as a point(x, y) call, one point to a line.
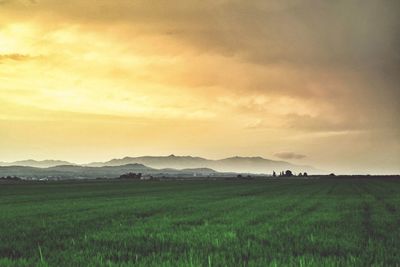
point(271, 222)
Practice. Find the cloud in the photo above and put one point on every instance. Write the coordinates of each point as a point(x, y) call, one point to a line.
point(313, 49)
point(14, 57)
point(289, 155)
point(304, 33)
point(272, 70)
point(325, 123)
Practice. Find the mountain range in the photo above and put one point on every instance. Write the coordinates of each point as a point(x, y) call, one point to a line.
point(232, 164)
point(85, 172)
point(37, 163)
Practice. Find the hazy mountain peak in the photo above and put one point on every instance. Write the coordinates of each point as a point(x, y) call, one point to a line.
point(238, 164)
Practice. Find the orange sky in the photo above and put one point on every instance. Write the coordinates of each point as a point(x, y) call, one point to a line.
point(93, 80)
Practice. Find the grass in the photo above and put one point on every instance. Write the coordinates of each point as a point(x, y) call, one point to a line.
point(314, 222)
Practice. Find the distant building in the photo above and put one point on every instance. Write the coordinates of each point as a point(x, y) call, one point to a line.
point(147, 177)
point(11, 178)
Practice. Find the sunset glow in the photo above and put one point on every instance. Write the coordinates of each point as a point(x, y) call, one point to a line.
point(94, 80)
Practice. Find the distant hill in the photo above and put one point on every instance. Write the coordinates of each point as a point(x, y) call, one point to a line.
point(233, 164)
point(36, 163)
point(84, 172)
point(171, 161)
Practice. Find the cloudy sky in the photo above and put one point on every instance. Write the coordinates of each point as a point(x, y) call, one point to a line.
point(312, 82)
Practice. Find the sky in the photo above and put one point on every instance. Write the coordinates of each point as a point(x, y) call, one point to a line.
point(310, 82)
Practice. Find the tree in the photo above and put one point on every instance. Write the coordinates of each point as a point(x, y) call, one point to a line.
point(288, 173)
point(131, 175)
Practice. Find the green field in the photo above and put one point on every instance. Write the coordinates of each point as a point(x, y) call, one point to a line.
point(314, 222)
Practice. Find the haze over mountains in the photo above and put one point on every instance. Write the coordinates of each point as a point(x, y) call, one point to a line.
point(232, 164)
point(37, 163)
point(85, 172)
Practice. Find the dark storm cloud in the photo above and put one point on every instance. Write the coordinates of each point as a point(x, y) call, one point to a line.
point(312, 33)
point(343, 54)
